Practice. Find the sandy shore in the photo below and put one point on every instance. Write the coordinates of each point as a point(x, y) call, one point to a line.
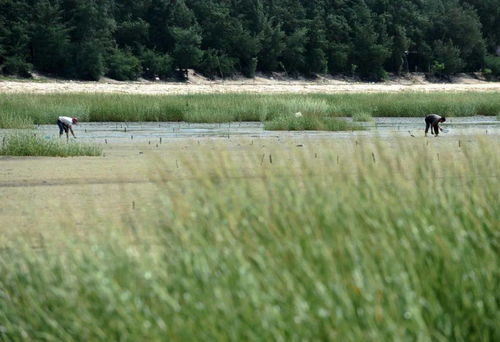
point(257, 86)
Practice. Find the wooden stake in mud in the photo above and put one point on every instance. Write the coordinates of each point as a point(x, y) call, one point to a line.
point(315, 155)
point(438, 156)
point(133, 205)
point(160, 140)
point(131, 137)
point(373, 156)
point(459, 144)
point(125, 129)
point(106, 141)
point(270, 158)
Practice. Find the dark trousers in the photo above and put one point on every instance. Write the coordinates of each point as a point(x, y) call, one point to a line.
point(433, 125)
point(62, 127)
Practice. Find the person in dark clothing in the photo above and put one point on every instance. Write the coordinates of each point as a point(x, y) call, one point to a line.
point(432, 121)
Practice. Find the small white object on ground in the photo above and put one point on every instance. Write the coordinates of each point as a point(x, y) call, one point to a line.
point(298, 115)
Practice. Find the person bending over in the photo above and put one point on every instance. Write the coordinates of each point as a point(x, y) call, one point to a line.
point(65, 124)
point(432, 121)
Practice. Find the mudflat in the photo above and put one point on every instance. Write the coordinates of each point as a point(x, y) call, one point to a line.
point(46, 196)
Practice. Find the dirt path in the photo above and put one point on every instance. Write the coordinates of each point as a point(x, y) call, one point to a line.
point(253, 86)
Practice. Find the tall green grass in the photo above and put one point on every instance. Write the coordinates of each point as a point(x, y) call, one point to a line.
point(28, 144)
point(22, 109)
point(374, 245)
point(308, 123)
point(361, 117)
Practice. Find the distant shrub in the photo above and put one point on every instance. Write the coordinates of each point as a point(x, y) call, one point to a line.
point(88, 63)
point(123, 66)
point(215, 63)
point(447, 58)
point(492, 69)
point(155, 64)
point(15, 65)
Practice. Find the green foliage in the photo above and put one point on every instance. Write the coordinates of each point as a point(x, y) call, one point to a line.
point(15, 65)
point(155, 64)
point(29, 144)
point(88, 61)
point(79, 38)
point(493, 63)
point(50, 38)
point(293, 56)
point(272, 42)
point(446, 58)
point(187, 51)
point(217, 63)
point(368, 55)
point(132, 34)
point(245, 46)
point(122, 65)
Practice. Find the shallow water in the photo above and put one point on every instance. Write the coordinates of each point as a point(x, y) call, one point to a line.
point(126, 132)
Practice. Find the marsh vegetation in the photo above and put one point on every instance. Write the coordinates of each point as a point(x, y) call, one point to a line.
point(319, 110)
point(29, 144)
point(335, 241)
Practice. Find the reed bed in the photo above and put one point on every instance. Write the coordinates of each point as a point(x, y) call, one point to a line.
point(362, 117)
point(309, 123)
point(19, 110)
point(29, 144)
point(329, 243)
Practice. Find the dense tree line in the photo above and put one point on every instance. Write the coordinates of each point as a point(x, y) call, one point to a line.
point(127, 39)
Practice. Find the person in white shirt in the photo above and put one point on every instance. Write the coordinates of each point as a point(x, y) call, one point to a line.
point(65, 124)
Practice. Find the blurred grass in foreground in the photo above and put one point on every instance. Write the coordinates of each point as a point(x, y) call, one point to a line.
point(379, 242)
point(28, 144)
point(20, 110)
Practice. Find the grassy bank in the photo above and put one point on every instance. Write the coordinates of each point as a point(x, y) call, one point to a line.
point(28, 144)
point(20, 110)
point(352, 243)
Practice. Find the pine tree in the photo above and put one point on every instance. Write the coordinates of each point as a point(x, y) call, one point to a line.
point(14, 37)
point(272, 42)
point(49, 38)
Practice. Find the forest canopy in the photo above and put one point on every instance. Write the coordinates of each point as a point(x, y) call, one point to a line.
point(159, 39)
